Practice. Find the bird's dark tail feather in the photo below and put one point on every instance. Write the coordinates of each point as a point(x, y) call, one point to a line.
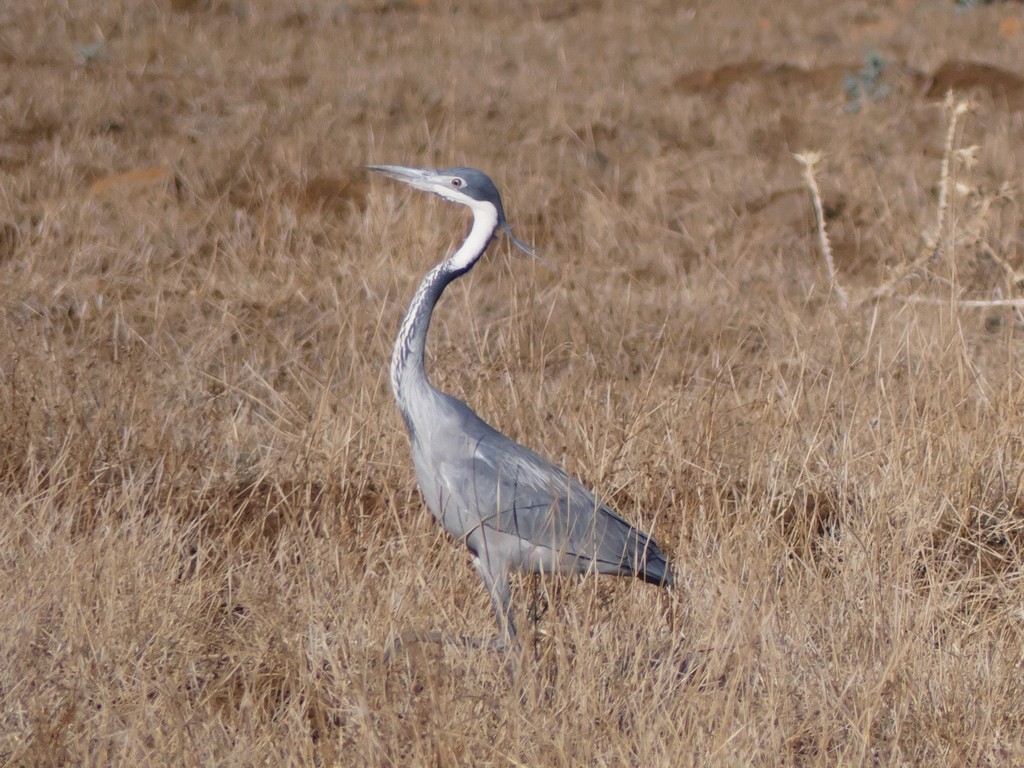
point(653, 567)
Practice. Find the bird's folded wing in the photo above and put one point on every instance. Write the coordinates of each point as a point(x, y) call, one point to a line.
point(517, 492)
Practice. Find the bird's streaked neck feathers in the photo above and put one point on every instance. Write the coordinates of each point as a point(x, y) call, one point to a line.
point(407, 358)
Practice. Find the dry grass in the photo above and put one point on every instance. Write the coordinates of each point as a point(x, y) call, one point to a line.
point(212, 532)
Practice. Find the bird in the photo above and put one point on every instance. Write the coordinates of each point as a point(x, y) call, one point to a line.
point(513, 509)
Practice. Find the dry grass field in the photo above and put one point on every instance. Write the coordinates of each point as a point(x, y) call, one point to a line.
point(211, 533)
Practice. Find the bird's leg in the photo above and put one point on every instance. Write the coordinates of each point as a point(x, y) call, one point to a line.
point(500, 591)
point(498, 587)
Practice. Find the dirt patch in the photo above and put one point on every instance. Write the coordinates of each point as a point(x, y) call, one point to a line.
point(720, 80)
point(974, 77)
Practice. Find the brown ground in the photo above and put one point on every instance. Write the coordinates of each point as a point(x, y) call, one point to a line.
point(211, 530)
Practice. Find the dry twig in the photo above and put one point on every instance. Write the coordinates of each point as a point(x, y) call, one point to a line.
point(808, 160)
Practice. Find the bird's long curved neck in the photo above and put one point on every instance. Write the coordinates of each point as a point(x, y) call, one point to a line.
point(407, 359)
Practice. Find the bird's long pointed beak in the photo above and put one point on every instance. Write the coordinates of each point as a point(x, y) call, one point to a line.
point(419, 178)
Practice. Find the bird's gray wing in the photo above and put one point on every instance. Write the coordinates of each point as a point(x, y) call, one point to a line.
point(518, 492)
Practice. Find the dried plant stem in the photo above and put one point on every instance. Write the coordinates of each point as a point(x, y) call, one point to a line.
point(955, 109)
point(933, 240)
point(965, 303)
point(886, 289)
point(809, 160)
point(1012, 274)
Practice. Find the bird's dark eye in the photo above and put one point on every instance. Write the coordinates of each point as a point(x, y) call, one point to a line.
point(457, 182)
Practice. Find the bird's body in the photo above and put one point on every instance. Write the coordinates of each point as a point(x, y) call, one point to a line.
point(515, 510)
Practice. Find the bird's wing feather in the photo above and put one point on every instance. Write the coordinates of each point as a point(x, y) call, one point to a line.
point(520, 493)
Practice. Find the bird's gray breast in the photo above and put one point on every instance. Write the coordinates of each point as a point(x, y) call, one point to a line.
point(474, 478)
point(457, 487)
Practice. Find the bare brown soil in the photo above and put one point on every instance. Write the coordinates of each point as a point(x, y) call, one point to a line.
point(211, 533)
